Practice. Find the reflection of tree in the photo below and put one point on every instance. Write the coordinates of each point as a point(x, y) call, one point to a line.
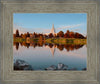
point(17, 33)
point(45, 44)
point(60, 47)
point(21, 43)
point(68, 47)
point(33, 45)
point(78, 46)
point(40, 41)
point(50, 45)
point(17, 45)
point(24, 43)
point(40, 44)
point(71, 47)
point(14, 43)
point(27, 45)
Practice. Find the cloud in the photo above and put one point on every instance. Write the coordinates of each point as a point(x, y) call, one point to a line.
point(42, 30)
point(16, 26)
point(69, 26)
point(84, 33)
point(21, 29)
point(78, 29)
point(45, 30)
point(31, 30)
point(75, 28)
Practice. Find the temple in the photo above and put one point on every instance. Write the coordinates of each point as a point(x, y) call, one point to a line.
point(53, 30)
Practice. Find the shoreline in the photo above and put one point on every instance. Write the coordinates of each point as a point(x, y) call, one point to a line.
point(52, 40)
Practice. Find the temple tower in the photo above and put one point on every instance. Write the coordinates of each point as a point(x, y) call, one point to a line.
point(53, 30)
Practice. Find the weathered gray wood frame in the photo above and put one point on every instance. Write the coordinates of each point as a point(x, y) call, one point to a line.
point(70, 77)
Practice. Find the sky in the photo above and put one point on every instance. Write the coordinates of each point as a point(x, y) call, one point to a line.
point(42, 22)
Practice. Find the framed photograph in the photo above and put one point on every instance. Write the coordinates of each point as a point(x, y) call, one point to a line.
point(47, 46)
point(45, 42)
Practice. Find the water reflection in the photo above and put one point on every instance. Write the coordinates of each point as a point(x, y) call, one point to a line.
point(61, 47)
point(43, 55)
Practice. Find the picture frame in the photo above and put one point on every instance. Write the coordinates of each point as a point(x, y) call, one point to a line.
point(91, 75)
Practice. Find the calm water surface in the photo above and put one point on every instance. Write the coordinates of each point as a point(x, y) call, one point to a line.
point(41, 56)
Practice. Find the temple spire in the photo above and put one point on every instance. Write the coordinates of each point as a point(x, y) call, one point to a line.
point(53, 26)
point(52, 30)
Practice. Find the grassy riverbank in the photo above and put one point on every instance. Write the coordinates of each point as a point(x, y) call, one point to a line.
point(66, 41)
point(53, 40)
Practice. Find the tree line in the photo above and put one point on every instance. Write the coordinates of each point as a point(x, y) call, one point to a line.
point(68, 34)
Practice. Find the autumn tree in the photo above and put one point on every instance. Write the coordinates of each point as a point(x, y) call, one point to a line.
point(68, 31)
point(77, 35)
point(24, 35)
point(21, 35)
point(45, 36)
point(66, 35)
point(50, 35)
point(40, 35)
point(34, 35)
point(60, 34)
point(28, 34)
point(41, 38)
point(86, 37)
point(14, 35)
point(17, 33)
point(71, 34)
point(81, 36)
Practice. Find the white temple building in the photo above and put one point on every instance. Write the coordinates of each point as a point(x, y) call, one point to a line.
point(53, 30)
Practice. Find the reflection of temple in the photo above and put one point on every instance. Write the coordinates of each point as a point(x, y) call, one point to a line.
point(52, 50)
point(61, 47)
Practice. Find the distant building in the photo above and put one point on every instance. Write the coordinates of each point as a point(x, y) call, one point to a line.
point(53, 30)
